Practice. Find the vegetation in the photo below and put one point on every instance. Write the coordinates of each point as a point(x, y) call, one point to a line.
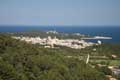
point(22, 61)
point(105, 70)
point(44, 34)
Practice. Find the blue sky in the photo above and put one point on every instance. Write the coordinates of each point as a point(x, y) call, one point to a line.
point(60, 12)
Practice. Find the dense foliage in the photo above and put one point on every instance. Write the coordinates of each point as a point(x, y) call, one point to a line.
point(22, 61)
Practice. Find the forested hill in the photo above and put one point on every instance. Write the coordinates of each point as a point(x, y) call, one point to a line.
point(22, 61)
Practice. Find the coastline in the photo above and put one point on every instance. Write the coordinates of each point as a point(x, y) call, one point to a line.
point(91, 31)
point(98, 37)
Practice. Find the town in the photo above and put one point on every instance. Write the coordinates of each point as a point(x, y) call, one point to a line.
point(50, 42)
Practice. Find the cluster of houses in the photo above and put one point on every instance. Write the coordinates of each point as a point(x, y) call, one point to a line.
point(50, 42)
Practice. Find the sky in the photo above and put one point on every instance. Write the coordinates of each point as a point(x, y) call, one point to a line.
point(60, 12)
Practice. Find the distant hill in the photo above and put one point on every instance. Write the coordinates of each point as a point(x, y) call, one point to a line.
point(53, 34)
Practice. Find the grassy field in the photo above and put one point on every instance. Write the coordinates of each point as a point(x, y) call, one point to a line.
point(109, 62)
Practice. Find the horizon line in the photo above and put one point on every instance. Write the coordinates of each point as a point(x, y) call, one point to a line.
point(60, 25)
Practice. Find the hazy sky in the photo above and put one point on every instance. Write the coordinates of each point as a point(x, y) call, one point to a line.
point(60, 12)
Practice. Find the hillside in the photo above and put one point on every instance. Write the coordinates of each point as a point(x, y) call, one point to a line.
point(22, 61)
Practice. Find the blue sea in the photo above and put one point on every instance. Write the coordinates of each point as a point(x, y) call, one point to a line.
point(113, 32)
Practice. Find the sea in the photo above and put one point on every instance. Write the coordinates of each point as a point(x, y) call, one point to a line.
point(106, 31)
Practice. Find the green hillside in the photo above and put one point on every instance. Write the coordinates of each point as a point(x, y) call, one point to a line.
point(22, 61)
